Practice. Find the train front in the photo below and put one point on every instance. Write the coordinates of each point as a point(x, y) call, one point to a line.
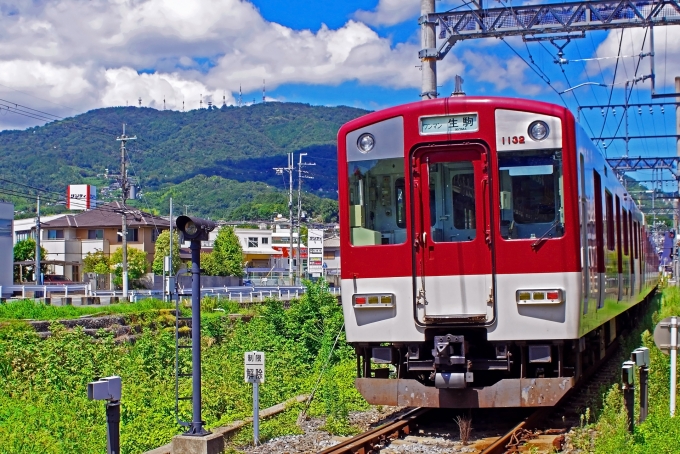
point(460, 252)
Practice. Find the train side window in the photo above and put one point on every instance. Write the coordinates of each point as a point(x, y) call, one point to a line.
point(635, 242)
point(625, 231)
point(609, 205)
point(599, 222)
point(630, 233)
point(375, 217)
point(531, 194)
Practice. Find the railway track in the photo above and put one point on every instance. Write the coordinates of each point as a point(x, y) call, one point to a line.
point(374, 439)
point(525, 431)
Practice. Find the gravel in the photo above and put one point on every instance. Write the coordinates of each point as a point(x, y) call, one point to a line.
point(315, 440)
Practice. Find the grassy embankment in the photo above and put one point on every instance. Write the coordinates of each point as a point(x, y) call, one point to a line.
point(43, 403)
point(660, 433)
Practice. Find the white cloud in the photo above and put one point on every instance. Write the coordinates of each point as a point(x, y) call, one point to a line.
point(390, 12)
point(667, 50)
point(501, 73)
point(89, 54)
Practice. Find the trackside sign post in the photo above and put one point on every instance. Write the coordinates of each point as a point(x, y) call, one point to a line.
point(254, 373)
point(666, 338)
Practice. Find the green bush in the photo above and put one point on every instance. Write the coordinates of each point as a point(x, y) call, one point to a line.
point(43, 382)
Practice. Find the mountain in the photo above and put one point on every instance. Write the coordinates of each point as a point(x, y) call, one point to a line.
point(178, 152)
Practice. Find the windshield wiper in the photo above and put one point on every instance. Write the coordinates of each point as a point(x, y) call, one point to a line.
point(545, 235)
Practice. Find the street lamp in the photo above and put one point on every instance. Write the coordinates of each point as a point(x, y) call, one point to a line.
point(195, 230)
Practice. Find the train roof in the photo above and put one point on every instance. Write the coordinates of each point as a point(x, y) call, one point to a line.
point(417, 107)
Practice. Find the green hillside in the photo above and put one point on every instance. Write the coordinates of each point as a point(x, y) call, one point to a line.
point(176, 151)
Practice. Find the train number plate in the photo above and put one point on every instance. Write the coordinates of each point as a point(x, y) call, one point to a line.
point(445, 124)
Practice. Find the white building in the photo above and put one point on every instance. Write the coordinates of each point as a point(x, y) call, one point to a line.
point(6, 244)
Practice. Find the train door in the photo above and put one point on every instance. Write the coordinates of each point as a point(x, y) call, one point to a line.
point(452, 234)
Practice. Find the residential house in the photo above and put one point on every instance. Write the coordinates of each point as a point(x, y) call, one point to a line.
point(69, 238)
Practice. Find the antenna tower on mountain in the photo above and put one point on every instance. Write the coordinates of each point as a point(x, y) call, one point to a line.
point(263, 92)
point(240, 97)
point(200, 103)
point(140, 101)
point(163, 102)
point(224, 99)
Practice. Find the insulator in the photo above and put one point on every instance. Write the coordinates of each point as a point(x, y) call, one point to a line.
point(614, 111)
point(651, 111)
point(602, 112)
point(604, 145)
point(662, 110)
point(639, 110)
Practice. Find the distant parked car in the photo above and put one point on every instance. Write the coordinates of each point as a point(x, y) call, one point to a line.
point(247, 282)
point(56, 279)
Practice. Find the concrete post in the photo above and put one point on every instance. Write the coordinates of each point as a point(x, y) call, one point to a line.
point(428, 57)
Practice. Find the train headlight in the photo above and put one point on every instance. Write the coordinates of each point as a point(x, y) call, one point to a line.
point(539, 130)
point(365, 143)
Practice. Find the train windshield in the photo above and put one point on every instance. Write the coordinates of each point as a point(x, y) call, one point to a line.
point(531, 194)
point(377, 202)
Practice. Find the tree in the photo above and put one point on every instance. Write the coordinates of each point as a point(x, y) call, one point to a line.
point(163, 250)
point(137, 264)
point(25, 250)
point(227, 255)
point(97, 262)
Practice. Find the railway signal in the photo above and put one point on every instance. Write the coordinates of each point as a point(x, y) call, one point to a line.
point(195, 230)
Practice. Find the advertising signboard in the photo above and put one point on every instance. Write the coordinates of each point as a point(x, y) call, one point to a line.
point(315, 247)
point(81, 197)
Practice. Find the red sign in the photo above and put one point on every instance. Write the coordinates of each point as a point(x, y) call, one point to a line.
point(284, 249)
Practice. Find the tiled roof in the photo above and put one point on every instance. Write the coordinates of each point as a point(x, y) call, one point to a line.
point(331, 242)
point(108, 215)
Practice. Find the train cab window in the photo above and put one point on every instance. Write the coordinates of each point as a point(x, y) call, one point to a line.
point(531, 194)
point(377, 211)
point(453, 215)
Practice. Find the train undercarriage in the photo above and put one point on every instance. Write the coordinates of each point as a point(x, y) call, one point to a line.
point(459, 368)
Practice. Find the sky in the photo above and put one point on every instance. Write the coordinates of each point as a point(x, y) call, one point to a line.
point(65, 57)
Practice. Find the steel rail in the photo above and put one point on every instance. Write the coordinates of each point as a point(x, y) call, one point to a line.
point(365, 442)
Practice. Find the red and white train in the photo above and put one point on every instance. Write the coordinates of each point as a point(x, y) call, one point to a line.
point(489, 253)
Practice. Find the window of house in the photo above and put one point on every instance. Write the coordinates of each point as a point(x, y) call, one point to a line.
point(252, 241)
point(23, 235)
point(55, 234)
point(97, 234)
point(132, 235)
point(154, 234)
point(265, 240)
point(328, 255)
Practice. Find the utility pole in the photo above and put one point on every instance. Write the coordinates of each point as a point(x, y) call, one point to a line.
point(124, 187)
point(290, 169)
point(38, 274)
point(429, 53)
point(676, 204)
point(186, 209)
point(299, 207)
point(279, 171)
